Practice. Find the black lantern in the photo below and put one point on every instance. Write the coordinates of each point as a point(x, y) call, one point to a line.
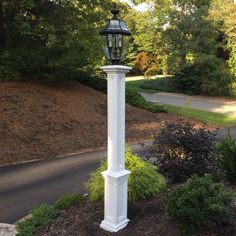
point(115, 39)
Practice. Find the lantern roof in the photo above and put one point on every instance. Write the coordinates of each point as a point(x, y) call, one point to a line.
point(115, 25)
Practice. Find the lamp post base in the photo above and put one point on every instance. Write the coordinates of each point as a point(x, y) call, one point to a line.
point(113, 227)
point(115, 200)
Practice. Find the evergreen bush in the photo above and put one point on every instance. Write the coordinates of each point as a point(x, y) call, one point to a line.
point(200, 203)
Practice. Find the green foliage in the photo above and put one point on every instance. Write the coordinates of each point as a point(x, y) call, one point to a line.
point(44, 214)
point(94, 82)
point(195, 48)
point(41, 215)
point(179, 151)
point(144, 181)
point(137, 100)
point(8, 66)
point(226, 157)
point(159, 84)
point(207, 75)
point(199, 203)
point(49, 36)
point(67, 201)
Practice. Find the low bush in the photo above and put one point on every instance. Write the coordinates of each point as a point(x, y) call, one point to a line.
point(226, 157)
point(9, 66)
point(159, 84)
point(44, 214)
point(135, 99)
point(144, 181)
point(180, 151)
point(41, 215)
point(199, 203)
point(68, 200)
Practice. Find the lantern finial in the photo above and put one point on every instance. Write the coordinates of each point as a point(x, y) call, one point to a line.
point(115, 11)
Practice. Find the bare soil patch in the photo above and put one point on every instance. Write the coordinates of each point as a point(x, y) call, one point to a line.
point(147, 217)
point(39, 121)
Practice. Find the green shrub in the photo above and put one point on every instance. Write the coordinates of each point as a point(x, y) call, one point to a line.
point(208, 75)
point(41, 215)
point(180, 150)
point(135, 99)
point(67, 201)
point(199, 203)
point(44, 214)
point(9, 67)
point(160, 84)
point(226, 157)
point(7, 73)
point(144, 181)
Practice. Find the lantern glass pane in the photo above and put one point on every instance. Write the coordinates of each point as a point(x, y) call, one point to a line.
point(105, 47)
point(125, 44)
point(122, 25)
point(114, 24)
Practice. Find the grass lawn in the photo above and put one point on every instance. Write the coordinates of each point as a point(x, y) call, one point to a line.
point(203, 116)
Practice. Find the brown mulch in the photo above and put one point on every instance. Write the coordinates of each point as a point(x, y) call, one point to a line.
point(147, 217)
point(40, 121)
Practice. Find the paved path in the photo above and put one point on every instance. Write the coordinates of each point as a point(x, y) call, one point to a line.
point(223, 106)
point(24, 186)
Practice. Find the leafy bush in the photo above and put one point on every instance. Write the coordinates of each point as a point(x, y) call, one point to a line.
point(226, 157)
point(208, 75)
point(144, 181)
point(94, 82)
point(180, 151)
point(7, 73)
point(160, 84)
point(67, 201)
point(153, 70)
point(9, 66)
point(137, 100)
point(199, 203)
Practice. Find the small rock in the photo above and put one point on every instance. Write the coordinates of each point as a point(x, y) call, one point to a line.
point(7, 230)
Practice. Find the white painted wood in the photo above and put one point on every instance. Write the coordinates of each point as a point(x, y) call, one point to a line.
point(116, 177)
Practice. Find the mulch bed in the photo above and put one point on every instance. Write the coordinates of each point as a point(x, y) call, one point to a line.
point(147, 217)
point(39, 121)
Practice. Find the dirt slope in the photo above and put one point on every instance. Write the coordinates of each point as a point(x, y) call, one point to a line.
point(41, 121)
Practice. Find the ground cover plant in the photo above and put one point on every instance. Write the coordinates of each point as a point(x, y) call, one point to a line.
point(226, 157)
point(144, 181)
point(158, 84)
point(200, 203)
point(44, 214)
point(135, 99)
point(180, 150)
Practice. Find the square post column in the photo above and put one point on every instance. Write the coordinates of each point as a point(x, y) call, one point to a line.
point(116, 176)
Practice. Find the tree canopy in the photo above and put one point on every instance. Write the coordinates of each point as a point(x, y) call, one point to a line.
point(193, 40)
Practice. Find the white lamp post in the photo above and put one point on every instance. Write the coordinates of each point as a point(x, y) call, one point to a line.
point(116, 176)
